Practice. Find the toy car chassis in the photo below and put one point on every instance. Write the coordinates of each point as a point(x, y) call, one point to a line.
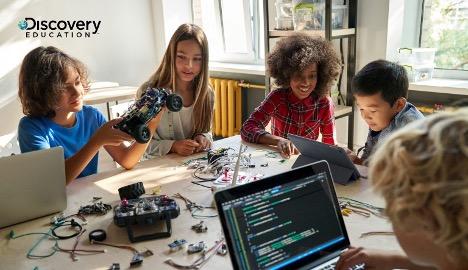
point(136, 118)
point(146, 211)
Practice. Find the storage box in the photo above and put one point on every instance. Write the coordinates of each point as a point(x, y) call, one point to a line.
point(416, 56)
point(310, 14)
point(419, 73)
point(284, 16)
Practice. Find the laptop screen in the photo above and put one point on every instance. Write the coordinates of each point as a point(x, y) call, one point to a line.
point(286, 225)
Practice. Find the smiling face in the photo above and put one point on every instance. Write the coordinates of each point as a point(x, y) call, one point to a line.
point(376, 111)
point(71, 99)
point(188, 60)
point(303, 83)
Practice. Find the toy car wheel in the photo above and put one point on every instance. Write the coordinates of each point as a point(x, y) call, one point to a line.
point(142, 134)
point(174, 102)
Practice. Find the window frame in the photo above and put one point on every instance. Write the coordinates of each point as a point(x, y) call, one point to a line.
point(438, 72)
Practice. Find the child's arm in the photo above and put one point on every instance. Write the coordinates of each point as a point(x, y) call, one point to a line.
point(376, 259)
point(105, 136)
point(327, 121)
point(127, 157)
point(254, 127)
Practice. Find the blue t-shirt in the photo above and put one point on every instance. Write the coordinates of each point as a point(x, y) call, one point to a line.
point(35, 133)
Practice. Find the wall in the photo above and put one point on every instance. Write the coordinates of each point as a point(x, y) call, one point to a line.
point(124, 51)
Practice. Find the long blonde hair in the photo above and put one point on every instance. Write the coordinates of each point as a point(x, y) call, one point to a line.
point(165, 76)
point(422, 172)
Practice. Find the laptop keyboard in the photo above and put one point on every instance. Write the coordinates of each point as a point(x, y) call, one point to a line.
point(332, 267)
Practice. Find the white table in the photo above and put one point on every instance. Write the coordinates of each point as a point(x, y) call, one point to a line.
point(173, 178)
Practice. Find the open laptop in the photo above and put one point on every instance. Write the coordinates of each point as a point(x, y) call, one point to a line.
point(342, 168)
point(32, 185)
point(287, 221)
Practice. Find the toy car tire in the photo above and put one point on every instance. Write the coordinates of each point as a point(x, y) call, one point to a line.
point(142, 134)
point(174, 102)
point(133, 191)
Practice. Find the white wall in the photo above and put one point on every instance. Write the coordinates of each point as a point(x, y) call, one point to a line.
point(124, 51)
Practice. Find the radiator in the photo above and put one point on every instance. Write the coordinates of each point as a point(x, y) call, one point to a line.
point(228, 107)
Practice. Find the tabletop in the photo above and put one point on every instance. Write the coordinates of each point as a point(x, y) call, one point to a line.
point(170, 175)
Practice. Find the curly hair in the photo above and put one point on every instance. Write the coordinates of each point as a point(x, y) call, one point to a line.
point(295, 53)
point(422, 172)
point(42, 78)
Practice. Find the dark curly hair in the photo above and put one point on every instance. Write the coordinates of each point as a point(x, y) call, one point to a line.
point(42, 77)
point(295, 53)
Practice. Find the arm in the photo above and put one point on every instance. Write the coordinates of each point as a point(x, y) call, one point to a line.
point(376, 259)
point(127, 157)
point(254, 127)
point(327, 121)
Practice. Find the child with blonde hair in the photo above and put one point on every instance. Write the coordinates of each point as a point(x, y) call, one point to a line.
point(184, 70)
point(422, 172)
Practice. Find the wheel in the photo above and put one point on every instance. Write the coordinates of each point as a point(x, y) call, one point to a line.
point(133, 191)
point(174, 102)
point(142, 134)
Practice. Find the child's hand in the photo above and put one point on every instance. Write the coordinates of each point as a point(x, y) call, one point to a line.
point(373, 259)
point(185, 147)
point(286, 148)
point(203, 141)
point(157, 118)
point(354, 158)
point(108, 135)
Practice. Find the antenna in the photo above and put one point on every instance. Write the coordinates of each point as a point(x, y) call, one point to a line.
point(236, 169)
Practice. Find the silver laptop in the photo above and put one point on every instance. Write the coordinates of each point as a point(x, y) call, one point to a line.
point(32, 185)
point(287, 221)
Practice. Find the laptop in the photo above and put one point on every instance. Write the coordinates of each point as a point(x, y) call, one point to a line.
point(342, 168)
point(287, 221)
point(32, 185)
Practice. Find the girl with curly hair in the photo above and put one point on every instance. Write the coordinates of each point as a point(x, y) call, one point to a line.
point(184, 69)
point(304, 69)
point(51, 89)
point(422, 172)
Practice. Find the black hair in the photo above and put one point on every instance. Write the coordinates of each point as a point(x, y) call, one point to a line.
point(381, 76)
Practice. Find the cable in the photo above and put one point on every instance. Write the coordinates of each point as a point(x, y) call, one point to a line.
point(30, 254)
point(72, 224)
point(194, 207)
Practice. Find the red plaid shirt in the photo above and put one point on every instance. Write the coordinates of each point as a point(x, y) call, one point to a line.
point(306, 118)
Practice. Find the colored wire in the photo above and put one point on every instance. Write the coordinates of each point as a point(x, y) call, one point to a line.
point(194, 207)
point(30, 254)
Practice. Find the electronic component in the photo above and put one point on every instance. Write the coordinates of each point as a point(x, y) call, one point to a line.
point(177, 244)
point(197, 247)
point(146, 211)
point(200, 227)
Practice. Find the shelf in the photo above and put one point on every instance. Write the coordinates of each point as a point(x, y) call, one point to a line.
point(337, 33)
point(341, 111)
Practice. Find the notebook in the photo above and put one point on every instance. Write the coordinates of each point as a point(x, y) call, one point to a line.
point(342, 168)
point(32, 185)
point(287, 221)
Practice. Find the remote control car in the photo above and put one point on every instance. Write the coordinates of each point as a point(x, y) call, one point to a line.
point(143, 110)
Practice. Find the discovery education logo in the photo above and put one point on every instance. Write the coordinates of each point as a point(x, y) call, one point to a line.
point(59, 28)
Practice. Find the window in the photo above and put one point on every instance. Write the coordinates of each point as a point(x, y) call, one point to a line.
point(234, 29)
point(444, 26)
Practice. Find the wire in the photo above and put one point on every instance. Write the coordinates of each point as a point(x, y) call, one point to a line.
point(377, 211)
point(203, 259)
point(366, 234)
point(30, 254)
point(194, 207)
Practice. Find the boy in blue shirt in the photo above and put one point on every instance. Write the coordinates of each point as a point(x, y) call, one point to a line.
point(51, 89)
point(381, 89)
